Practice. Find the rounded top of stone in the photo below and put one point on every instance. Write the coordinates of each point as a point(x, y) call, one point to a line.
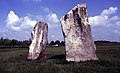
point(41, 23)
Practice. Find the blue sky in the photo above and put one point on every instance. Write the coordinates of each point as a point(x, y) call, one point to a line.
point(18, 17)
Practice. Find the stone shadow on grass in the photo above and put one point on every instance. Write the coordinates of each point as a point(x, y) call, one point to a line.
point(59, 59)
point(62, 56)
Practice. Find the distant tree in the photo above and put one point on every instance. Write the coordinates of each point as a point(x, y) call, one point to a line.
point(52, 43)
point(30, 40)
point(62, 43)
point(1, 41)
point(26, 43)
point(57, 42)
point(7, 42)
point(1, 38)
point(20, 43)
point(14, 42)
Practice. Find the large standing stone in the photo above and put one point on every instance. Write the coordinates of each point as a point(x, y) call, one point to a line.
point(79, 44)
point(39, 40)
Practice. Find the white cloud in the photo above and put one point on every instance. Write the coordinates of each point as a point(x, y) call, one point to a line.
point(118, 23)
point(11, 34)
point(48, 16)
point(27, 22)
point(16, 28)
point(117, 32)
point(114, 18)
point(109, 11)
point(16, 23)
point(12, 18)
point(98, 20)
point(106, 25)
point(52, 18)
point(105, 17)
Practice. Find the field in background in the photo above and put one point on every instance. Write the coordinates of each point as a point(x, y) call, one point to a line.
point(13, 60)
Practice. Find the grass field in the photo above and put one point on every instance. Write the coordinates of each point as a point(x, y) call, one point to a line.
point(13, 60)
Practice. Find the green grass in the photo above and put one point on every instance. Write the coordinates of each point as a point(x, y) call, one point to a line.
point(13, 60)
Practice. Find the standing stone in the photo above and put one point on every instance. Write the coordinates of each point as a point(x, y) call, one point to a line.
point(79, 44)
point(39, 40)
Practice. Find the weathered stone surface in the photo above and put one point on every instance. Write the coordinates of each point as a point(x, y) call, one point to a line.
point(39, 40)
point(79, 44)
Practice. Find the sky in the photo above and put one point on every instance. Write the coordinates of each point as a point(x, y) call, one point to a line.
point(18, 17)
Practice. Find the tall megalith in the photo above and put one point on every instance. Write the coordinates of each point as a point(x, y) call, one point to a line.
point(79, 45)
point(39, 40)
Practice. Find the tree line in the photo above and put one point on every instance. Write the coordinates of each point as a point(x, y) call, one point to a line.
point(5, 42)
point(57, 43)
point(15, 43)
